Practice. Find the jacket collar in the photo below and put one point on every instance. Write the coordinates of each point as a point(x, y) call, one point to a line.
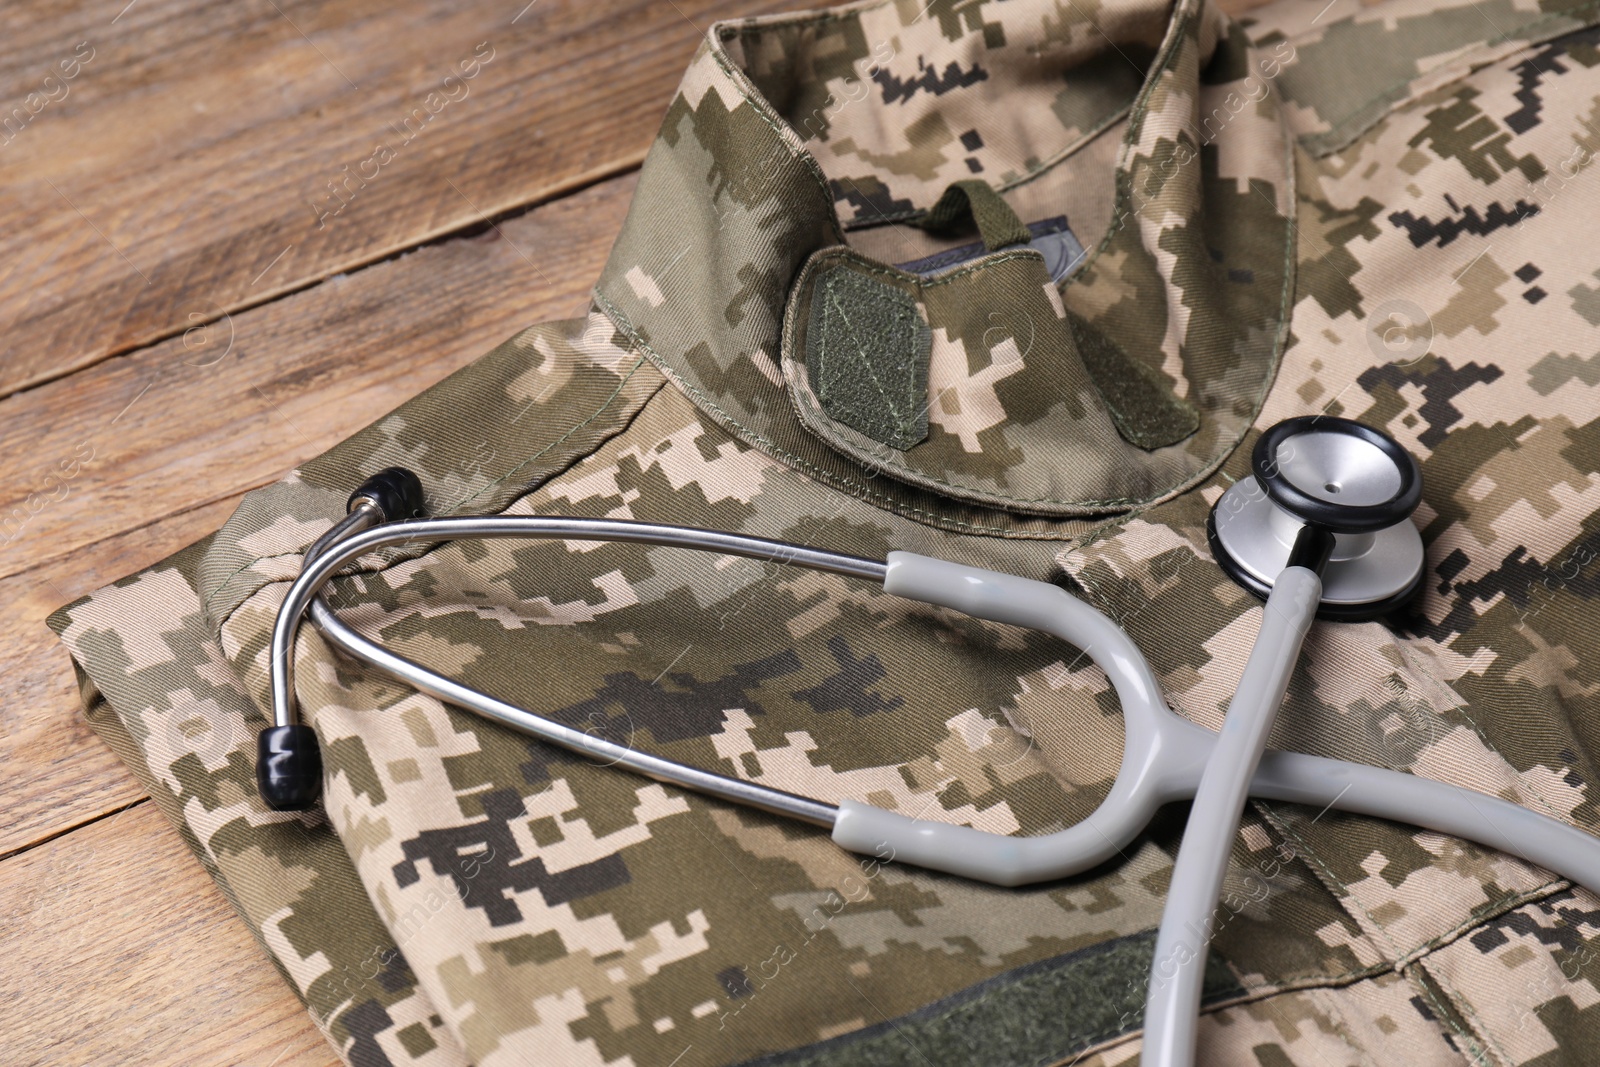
point(790, 132)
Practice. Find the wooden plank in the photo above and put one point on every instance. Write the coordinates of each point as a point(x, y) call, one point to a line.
point(208, 157)
point(176, 432)
point(120, 949)
point(56, 772)
point(197, 418)
point(231, 145)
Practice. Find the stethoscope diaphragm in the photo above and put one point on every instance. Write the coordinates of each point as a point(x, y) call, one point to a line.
point(1345, 477)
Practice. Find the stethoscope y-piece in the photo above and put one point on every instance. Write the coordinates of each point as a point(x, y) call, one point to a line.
point(1322, 527)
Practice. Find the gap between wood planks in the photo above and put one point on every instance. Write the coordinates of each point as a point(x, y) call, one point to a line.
point(79, 825)
point(582, 226)
point(470, 228)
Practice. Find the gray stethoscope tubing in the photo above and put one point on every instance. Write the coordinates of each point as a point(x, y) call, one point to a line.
point(1172, 1002)
point(1324, 495)
point(1322, 530)
point(1163, 755)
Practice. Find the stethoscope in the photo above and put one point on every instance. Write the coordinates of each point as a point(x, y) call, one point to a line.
point(1321, 528)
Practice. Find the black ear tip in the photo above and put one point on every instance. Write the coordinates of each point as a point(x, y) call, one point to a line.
point(396, 491)
point(289, 767)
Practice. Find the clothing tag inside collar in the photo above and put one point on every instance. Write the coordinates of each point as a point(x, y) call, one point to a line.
point(1052, 238)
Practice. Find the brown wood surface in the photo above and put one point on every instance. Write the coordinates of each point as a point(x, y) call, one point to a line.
point(119, 949)
point(177, 431)
point(185, 171)
point(153, 341)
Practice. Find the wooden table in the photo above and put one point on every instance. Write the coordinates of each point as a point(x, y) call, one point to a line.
point(201, 287)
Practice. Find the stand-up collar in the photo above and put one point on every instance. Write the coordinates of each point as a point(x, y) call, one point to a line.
point(789, 132)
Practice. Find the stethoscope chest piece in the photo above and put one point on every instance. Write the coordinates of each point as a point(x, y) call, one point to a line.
point(1347, 478)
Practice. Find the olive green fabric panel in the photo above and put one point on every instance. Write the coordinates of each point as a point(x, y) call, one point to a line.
point(1004, 367)
point(1139, 399)
point(1016, 1019)
point(869, 345)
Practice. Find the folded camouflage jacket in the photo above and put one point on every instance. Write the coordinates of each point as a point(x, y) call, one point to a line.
point(1013, 284)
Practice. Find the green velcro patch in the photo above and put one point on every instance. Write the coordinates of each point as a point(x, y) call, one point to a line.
point(867, 348)
point(1142, 404)
point(1045, 1012)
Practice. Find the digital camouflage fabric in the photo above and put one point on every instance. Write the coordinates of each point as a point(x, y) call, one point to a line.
point(1384, 212)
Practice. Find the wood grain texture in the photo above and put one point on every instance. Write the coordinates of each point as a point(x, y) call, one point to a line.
point(208, 157)
point(178, 431)
point(152, 198)
point(119, 949)
point(56, 772)
point(199, 417)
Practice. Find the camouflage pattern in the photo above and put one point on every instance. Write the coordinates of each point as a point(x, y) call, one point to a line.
point(1383, 213)
point(173, 710)
point(1015, 422)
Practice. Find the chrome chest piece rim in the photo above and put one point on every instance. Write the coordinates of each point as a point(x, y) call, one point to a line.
point(1345, 477)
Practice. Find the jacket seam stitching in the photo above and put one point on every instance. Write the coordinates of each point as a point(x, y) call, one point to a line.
point(1428, 993)
point(623, 384)
point(1462, 1004)
point(1313, 981)
point(797, 150)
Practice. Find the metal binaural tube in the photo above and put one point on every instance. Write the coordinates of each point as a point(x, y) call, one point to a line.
point(351, 538)
point(337, 552)
point(749, 794)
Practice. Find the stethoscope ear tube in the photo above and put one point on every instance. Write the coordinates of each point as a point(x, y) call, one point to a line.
point(288, 759)
point(288, 768)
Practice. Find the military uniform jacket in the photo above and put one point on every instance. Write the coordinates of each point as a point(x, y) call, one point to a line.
point(1172, 229)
